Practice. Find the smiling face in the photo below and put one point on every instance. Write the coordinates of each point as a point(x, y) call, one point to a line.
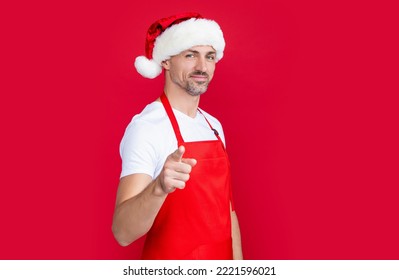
point(192, 70)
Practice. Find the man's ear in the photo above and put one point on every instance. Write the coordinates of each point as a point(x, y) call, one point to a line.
point(166, 64)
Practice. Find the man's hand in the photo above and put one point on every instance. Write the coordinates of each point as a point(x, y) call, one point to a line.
point(176, 171)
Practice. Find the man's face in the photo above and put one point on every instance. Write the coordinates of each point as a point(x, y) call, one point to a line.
point(193, 69)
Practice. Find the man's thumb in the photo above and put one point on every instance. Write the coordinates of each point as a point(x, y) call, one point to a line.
point(178, 154)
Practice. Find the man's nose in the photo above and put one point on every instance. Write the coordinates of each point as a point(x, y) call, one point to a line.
point(201, 65)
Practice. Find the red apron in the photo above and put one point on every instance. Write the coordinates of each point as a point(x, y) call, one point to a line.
point(195, 223)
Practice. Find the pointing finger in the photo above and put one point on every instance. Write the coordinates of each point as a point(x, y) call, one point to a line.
point(190, 161)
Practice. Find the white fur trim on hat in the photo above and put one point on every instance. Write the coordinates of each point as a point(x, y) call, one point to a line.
point(189, 33)
point(178, 38)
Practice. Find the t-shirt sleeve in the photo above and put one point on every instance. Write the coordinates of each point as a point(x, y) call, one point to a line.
point(137, 150)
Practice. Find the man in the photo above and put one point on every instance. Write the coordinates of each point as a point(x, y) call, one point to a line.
point(175, 181)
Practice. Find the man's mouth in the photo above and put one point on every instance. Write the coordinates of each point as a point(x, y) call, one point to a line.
point(199, 77)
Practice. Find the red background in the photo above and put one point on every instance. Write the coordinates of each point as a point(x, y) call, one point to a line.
point(307, 93)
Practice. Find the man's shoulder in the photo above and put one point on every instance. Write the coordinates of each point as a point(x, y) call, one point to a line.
point(151, 114)
point(151, 123)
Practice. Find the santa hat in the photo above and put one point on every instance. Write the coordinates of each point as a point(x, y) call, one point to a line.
point(170, 36)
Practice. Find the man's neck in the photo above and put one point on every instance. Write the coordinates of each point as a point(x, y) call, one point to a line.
point(182, 101)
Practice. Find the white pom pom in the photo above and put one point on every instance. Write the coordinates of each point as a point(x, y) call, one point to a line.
point(147, 68)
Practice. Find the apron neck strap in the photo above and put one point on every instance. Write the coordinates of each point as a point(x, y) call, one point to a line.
point(175, 125)
point(172, 118)
point(214, 130)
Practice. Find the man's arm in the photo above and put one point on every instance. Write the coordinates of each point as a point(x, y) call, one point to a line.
point(236, 236)
point(139, 198)
point(138, 201)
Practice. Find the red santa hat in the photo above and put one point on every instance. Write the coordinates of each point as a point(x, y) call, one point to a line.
point(172, 35)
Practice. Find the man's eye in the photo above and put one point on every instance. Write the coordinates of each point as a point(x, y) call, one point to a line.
point(211, 57)
point(190, 55)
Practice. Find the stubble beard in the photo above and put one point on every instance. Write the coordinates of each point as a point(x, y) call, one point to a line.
point(196, 88)
point(192, 87)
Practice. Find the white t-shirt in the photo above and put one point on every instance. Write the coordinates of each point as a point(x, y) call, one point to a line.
point(149, 138)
